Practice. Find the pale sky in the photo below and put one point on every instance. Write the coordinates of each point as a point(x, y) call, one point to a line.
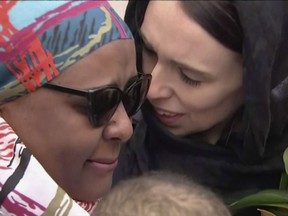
point(119, 6)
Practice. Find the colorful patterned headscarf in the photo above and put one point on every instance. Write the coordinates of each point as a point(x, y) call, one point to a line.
point(40, 39)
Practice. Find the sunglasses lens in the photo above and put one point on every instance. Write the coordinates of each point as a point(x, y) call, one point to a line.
point(105, 102)
point(136, 95)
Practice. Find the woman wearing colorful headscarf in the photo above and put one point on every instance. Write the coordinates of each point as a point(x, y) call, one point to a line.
point(68, 86)
point(217, 108)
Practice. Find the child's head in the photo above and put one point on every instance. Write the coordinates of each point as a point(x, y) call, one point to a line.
point(161, 194)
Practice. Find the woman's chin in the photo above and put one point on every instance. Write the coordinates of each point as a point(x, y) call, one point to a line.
point(93, 192)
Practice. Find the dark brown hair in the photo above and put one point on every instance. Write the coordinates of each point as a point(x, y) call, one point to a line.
point(219, 19)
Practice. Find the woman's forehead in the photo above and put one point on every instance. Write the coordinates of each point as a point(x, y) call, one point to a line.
point(114, 63)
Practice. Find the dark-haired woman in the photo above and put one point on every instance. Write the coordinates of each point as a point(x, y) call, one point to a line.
point(217, 105)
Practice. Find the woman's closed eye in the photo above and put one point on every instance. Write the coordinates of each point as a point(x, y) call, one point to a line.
point(188, 80)
point(80, 105)
point(82, 108)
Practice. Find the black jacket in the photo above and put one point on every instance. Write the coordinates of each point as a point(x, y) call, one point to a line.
point(242, 162)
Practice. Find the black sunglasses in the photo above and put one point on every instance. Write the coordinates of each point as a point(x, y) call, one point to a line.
point(103, 101)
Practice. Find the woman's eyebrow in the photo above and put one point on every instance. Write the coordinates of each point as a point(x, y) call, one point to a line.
point(191, 69)
point(194, 70)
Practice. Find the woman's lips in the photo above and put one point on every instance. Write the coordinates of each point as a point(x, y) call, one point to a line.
point(166, 117)
point(102, 164)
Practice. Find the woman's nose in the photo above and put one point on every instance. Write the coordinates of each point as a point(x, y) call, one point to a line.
point(159, 87)
point(120, 125)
